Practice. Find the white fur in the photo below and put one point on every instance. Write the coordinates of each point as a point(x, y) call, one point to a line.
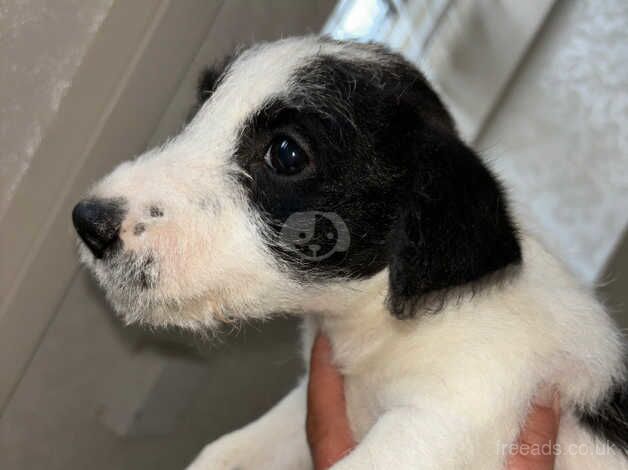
point(445, 391)
point(207, 245)
point(451, 391)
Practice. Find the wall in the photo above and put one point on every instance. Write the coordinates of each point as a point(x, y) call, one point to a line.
point(41, 47)
point(85, 370)
point(614, 282)
point(559, 135)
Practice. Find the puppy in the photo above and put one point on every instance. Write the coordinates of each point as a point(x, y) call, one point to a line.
point(326, 179)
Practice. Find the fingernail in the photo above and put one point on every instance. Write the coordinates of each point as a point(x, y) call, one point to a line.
point(545, 396)
point(322, 346)
point(556, 403)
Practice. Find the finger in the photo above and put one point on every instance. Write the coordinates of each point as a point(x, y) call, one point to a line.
point(328, 432)
point(535, 447)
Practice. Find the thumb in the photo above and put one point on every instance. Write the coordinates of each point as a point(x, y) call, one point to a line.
point(535, 449)
point(327, 426)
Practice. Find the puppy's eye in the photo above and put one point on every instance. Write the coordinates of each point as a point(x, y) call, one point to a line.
point(285, 156)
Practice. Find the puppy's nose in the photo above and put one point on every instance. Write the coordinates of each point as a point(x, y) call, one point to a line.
point(97, 221)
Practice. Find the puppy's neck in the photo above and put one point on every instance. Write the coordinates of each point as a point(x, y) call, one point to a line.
point(356, 319)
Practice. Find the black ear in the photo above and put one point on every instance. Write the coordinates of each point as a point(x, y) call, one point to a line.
point(210, 77)
point(453, 228)
point(208, 81)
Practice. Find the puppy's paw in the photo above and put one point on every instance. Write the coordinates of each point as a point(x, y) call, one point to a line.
point(242, 450)
point(226, 453)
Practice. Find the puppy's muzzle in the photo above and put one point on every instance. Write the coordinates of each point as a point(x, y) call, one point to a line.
point(97, 222)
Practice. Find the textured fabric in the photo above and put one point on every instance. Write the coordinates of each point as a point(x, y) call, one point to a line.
point(560, 136)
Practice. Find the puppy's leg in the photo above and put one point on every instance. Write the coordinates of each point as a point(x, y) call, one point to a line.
point(424, 439)
point(276, 440)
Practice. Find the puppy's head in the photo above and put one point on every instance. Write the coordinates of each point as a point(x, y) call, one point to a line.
point(309, 163)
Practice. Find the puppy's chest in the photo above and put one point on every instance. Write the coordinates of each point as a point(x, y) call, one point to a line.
point(363, 405)
point(363, 389)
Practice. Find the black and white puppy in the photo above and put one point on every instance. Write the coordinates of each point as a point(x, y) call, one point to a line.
point(326, 179)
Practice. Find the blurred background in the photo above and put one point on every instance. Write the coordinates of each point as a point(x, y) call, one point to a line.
point(540, 88)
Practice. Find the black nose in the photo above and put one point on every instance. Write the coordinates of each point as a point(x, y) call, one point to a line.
point(97, 221)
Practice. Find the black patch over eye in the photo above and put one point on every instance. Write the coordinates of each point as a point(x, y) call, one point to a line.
point(285, 156)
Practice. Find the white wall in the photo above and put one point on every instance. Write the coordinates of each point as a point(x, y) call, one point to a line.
point(560, 134)
point(42, 44)
point(82, 369)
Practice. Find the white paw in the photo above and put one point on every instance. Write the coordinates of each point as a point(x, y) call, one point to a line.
point(225, 453)
point(240, 450)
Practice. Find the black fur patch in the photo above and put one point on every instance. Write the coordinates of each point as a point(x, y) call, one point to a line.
point(609, 420)
point(388, 163)
point(454, 229)
point(139, 229)
point(156, 211)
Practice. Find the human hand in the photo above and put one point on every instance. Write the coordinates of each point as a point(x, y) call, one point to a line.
point(329, 435)
point(327, 426)
point(538, 435)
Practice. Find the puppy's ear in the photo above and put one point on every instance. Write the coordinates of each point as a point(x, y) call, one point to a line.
point(209, 80)
point(453, 227)
point(210, 77)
